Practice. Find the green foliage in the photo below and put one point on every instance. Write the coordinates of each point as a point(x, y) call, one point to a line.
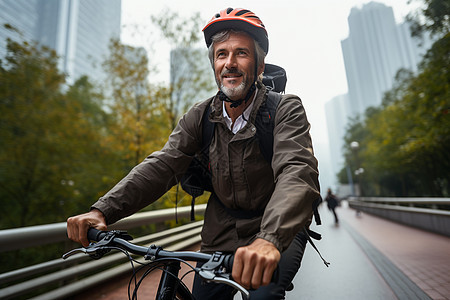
point(405, 144)
point(136, 106)
point(31, 105)
point(50, 139)
point(434, 17)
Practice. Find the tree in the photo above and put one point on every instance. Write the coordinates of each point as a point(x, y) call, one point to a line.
point(427, 107)
point(405, 143)
point(94, 166)
point(191, 77)
point(434, 17)
point(48, 138)
point(136, 106)
point(30, 98)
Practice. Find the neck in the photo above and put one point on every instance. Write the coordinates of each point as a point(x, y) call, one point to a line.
point(235, 112)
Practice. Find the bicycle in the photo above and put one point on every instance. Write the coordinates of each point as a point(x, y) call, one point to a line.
point(216, 268)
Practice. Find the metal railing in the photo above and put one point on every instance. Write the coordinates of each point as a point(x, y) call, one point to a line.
point(424, 213)
point(61, 271)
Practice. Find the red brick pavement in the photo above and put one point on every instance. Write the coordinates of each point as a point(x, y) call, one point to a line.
point(423, 256)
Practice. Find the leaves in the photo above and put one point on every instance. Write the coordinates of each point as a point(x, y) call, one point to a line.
point(434, 17)
point(405, 145)
point(137, 112)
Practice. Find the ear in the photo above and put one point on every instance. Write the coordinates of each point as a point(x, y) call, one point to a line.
point(261, 68)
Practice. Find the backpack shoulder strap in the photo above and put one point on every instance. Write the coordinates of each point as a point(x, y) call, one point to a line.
point(207, 130)
point(265, 123)
point(197, 177)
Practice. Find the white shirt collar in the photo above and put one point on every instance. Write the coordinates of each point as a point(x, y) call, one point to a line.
point(241, 121)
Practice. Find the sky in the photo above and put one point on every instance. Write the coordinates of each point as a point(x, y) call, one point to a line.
point(304, 38)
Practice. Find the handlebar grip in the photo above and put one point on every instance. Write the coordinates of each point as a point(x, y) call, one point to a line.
point(95, 234)
point(228, 264)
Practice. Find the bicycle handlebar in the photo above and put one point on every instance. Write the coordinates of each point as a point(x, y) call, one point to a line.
point(216, 268)
point(154, 251)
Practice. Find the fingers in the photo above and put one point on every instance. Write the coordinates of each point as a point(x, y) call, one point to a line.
point(245, 263)
point(257, 274)
point(78, 226)
point(72, 229)
point(82, 234)
point(268, 272)
point(254, 264)
point(238, 266)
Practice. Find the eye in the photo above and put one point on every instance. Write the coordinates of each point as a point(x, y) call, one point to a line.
point(220, 54)
point(242, 52)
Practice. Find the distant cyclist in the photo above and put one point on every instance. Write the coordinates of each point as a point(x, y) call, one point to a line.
point(258, 209)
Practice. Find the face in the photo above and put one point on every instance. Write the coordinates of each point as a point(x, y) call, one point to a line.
point(234, 65)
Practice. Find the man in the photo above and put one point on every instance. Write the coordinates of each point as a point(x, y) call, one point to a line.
point(332, 203)
point(257, 209)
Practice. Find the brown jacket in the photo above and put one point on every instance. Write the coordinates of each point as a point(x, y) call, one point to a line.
point(242, 178)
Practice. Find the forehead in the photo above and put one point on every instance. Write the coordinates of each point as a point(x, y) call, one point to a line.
point(235, 40)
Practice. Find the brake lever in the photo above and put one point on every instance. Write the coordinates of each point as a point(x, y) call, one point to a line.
point(210, 276)
point(94, 250)
point(73, 252)
point(214, 271)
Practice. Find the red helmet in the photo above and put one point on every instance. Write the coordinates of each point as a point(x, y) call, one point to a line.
point(238, 19)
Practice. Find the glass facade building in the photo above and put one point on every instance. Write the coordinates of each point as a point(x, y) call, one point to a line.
point(79, 30)
point(374, 51)
point(376, 48)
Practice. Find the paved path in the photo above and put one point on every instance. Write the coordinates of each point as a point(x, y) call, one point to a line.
point(372, 258)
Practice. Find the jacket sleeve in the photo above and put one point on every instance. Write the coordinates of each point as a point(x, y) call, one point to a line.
point(296, 175)
point(161, 170)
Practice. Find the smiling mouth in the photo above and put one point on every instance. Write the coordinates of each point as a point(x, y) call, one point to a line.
point(232, 76)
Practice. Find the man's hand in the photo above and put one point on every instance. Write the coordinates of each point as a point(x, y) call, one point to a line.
point(254, 264)
point(77, 226)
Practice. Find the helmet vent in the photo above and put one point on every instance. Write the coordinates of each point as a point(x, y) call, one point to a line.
point(229, 9)
point(242, 12)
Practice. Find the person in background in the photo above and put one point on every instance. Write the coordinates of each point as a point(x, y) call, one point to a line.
point(332, 203)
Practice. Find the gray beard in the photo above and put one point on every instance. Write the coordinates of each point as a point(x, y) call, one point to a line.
point(237, 92)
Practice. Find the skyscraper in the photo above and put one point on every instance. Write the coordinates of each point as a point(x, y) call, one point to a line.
point(337, 112)
point(79, 30)
point(374, 51)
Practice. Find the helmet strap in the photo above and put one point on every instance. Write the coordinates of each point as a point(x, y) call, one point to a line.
point(236, 103)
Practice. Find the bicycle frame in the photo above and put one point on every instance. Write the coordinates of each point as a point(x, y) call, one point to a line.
point(168, 282)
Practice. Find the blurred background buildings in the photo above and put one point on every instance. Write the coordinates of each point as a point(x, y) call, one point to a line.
point(79, 30)
point(374, 51)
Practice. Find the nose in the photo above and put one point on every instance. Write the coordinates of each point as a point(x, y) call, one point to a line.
point(231, 62)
